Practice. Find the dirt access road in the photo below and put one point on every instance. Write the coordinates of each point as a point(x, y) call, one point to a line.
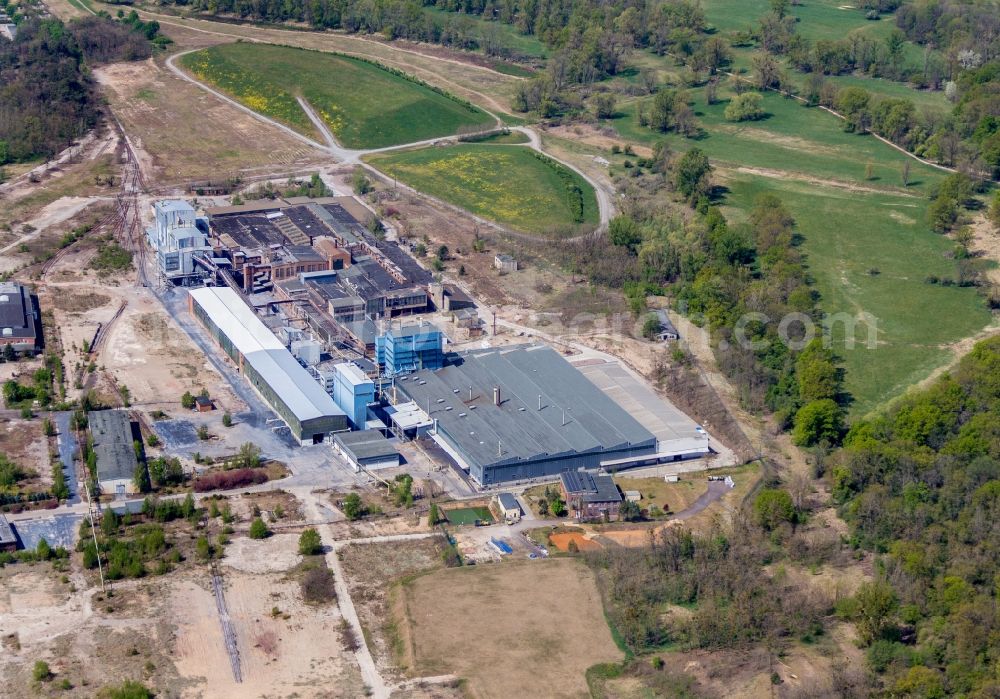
point(350, 156)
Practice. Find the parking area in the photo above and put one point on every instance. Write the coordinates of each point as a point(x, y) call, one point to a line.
point(57, 530)
point(659, 416)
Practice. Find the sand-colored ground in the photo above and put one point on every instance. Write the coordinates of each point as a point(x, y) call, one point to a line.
point(148, 352)
point(300, 655)
point(479, 623)
point(23, 443)
point(271, 555)
point(182, 133)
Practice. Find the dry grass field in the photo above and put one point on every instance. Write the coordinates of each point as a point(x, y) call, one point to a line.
point(371, 570)
point(482, 624)
point(181, 133)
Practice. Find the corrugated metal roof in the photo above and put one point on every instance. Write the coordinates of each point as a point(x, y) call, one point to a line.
point(265, 353)
point(547, 408)
point(113, 444)
point(352, 374)
point(366, 445)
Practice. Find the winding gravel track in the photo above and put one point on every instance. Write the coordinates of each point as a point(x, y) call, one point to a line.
point(349, 156)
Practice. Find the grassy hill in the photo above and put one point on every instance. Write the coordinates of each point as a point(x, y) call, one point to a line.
point(364, 105)
point(507, 184)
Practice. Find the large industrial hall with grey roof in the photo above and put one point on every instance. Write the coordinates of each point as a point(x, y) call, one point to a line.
point(524, 412)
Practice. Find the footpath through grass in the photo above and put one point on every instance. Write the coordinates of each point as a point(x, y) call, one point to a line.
point(364, 105)
point(793, 138)
point(512, 185)
point(872, 253)
point(867, 242)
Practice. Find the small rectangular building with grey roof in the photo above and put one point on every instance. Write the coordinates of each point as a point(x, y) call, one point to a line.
point(113, 444)
point(366, 450)
point(523, 412)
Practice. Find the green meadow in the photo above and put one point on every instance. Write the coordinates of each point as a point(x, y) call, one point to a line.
point(503, 183)
point(363, 104)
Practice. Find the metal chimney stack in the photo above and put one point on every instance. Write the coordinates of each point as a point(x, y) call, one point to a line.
point(496, 396)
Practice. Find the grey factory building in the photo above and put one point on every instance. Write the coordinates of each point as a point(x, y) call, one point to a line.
point(113, 442)
point(524, 412)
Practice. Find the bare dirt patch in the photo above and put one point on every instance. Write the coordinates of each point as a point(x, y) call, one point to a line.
point(274, 554)
point(75, 303)
point(298, 655)
point(986, 242)
point(23, 443)
point(563, 541)
point(558, 629)
point(148, 352)
point(184, 134)
point(803, 670)
point(586, 133)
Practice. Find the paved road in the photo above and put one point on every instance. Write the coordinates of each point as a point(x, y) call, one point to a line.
point(66, 438)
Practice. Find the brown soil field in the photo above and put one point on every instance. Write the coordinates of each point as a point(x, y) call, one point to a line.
point(563, 540)
point(480, 624)
point(182, 133)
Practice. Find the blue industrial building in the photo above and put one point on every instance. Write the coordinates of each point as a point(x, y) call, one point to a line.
point(353, 392)
point(408, 349)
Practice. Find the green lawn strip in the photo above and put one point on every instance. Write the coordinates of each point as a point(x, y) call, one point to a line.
point(507, 184)
point(816, 19)
point(468, 515)
point(474, 26)
point(873, 253)
point(364, 105)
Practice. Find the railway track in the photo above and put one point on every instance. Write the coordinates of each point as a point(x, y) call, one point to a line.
point(126, 225)
point(102, 331)
point(228, 632)
point(103, 224)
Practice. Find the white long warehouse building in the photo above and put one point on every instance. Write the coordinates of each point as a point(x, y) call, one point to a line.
point(294, 395)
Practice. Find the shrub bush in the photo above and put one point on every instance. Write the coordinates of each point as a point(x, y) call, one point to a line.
point(224, 480)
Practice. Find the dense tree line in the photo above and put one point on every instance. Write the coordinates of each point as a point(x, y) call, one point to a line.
point(47, 98)
point(921, 485)
point(745, 283)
